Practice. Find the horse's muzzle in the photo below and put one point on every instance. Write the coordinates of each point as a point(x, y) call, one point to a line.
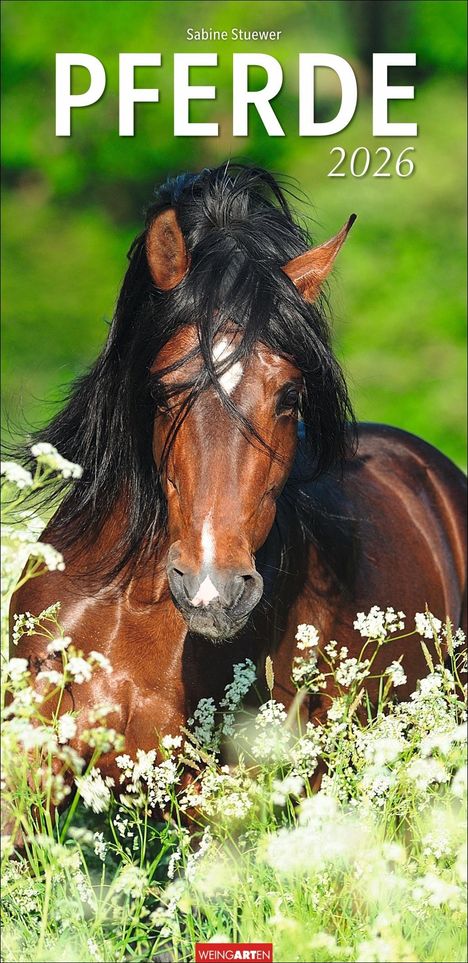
point(215, 603)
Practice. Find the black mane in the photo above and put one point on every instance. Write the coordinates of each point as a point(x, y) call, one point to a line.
point(239, 232)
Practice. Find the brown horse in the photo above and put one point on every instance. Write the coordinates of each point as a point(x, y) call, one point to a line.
point(224, 498)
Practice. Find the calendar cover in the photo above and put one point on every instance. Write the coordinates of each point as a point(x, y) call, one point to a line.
point(234, 372)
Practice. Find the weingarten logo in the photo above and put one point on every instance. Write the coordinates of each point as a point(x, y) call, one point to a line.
point(223, 952)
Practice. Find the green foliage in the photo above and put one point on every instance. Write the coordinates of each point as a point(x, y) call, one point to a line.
point(371, 867)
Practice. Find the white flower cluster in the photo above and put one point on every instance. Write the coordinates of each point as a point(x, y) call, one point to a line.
point(437, 845)
point(220, 794)
point(59, 644)
point(377, 624)
point(132, 880)
point(307, 636)
point(325, 834)
point(427, 625)
point(282, 789)
point(431, 891)
point(46, 454)
point(16, 474)
point(305, 674)
point(95, 790)
point(16, 669)
point(396, 673)
point(272, 740)
point(305, 751)
point(66, 727)
point(26, 623)
point(146, 781)
point(351, 671)
point(171, 742)
point(20, 545)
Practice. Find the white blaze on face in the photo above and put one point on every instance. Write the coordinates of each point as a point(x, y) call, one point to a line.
point(207, 541)
point(206, 593)
point(233, 375)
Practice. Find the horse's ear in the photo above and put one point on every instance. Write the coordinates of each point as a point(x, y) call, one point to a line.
point(167, 255)
point(309, 270)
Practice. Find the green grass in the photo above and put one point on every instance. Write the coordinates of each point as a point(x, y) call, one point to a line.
point(372, 867)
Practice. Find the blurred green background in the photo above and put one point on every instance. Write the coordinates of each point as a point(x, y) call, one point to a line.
point(71, 206)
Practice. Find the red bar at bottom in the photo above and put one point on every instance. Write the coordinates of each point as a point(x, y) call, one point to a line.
point(232, 952)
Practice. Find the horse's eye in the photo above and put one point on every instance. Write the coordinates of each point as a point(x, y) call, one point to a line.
point(288, 400)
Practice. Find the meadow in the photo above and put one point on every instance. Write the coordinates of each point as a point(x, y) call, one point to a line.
point(371, 867)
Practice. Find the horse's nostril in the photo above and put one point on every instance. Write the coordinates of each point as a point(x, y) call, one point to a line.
point(249, 589)
point(176, 580)
point(249, 580)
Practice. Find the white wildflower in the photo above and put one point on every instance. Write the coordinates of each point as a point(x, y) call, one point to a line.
point(100, 846)
point(79, 669)
point(197, 857)
point(51, 676)
point(93, 949)
point(424, 772)
point(85, 890)
point(66, 727)
point(101, 660)
point(220, 794)
point(291, 785)
point(23, 624)
point(175, 858)
point(427, 625)
point(350, 671)
point(132, 881)
point(46, 454)
point(380, 750)
point(16, 474)
point(60, 644)
point(16, 669)
point(331, 650)
point(377, 624)
point(52, 559)
point(376, 783)
point(272, 739)
point(434, 891)
point(377, 950)
point(314, 845)
point(94, 791)
point(442, 741)
point(307, 636)
point(459, 638)
point(437, 844)
point(319, 808)
point(396, 673)
point(305, 673)
point(171, 742)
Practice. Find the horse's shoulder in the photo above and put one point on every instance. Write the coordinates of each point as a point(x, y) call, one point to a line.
point(397, 449)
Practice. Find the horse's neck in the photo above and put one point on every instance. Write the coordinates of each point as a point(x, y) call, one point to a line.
point(89, 562)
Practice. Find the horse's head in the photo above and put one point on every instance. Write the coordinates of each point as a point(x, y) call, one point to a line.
point(224, 438)
point(186, 424)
